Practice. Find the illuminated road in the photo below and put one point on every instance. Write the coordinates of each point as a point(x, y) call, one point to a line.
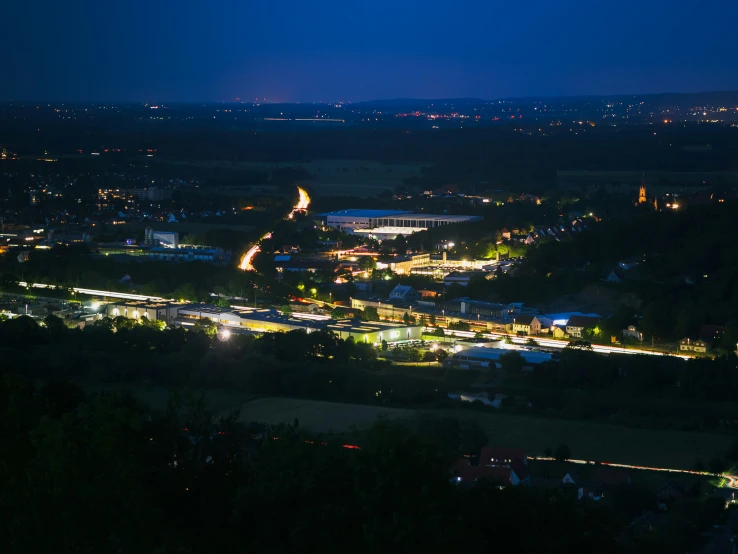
point(95, 292)
point(731, 481)
point(249, 256)
point(553, 343)
point(302, 205)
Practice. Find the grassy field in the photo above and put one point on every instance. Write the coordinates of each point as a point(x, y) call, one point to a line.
point(317, 416)
point(219, 401)
point(587, 440)
point(331, 177)
point(601, 441)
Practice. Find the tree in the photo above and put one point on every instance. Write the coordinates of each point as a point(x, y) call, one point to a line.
point(439, 332)
point(223, 302)
point(562, 453)
point(716, 465)
point(429, 356)
point(472, 437)
point(441, 355)
point(400, 244)
point(206, 326)
point(512, 361)
point(157, 324)
point(414, 355)
point(367, 263)
point(370, 313)
point(55, 327)
point(432, 319)
point(185, 291)
point(385, 346)
point(459, 326)
point(531, 342)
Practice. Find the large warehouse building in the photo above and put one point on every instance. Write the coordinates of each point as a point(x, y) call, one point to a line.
point(261, 320)
point(381, 224)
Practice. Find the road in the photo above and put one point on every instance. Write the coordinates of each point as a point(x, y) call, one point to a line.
point(302, 205)
point(95, 292)
point(731, 481)
point(553, 343)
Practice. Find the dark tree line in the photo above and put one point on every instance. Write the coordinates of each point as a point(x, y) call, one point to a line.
point(92, 474)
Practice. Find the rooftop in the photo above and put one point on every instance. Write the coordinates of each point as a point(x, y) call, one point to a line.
point(364, 213)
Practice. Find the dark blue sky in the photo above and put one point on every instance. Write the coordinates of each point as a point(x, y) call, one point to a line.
point(288, 50)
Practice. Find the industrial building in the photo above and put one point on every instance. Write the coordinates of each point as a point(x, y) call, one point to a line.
point(263, 320)
point(387, 224)
point(164, 311)
point(167, 239)
point(481, 357)
point(216, 256)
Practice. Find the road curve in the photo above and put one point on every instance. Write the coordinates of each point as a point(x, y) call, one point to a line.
point(302, 205)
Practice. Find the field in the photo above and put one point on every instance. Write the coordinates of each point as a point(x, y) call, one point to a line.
point(317, 416)
point(219, 401)
point(601, 441)
point(332, 177)
point(587, 440)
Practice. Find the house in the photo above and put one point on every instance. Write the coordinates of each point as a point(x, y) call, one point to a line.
point(589, 493)
point(615, 276)
point(460, 278)
point(509, 466)
point(466, 473)
point(303, 307)
point(693, 345)
point(404, 293)
point(527, 325)
point(647, 522)
point(559, 332)
point(671, 490)
point(632, 333)
point(428, 294)
point(578, 323)
point(570, 478)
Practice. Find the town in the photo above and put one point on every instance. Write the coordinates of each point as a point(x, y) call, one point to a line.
point(556, 340)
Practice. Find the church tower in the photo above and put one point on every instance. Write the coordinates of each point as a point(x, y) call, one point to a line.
point(642, 193)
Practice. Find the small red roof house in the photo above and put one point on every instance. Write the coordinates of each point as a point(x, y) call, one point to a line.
point(466, 473)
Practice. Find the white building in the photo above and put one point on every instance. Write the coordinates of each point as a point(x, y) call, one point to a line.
point(382, 224)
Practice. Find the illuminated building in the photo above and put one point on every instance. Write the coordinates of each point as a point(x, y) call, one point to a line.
point(261, 320)
point(387, 224)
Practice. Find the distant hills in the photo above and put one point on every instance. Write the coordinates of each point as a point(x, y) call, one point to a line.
point(728, 98)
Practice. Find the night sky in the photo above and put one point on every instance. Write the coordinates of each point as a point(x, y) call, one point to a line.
point(327, 50)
